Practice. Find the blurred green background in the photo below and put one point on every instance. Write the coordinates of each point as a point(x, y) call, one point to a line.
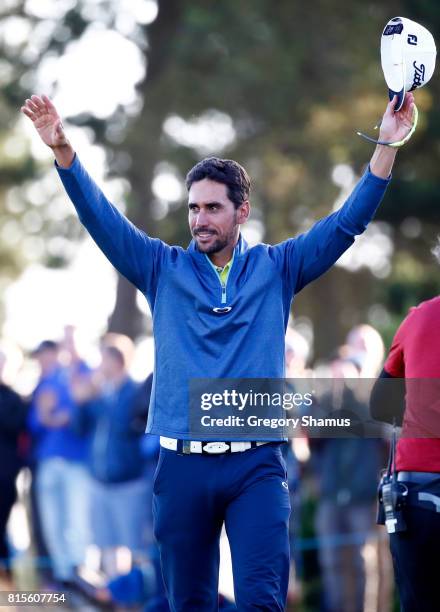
point(279, 86)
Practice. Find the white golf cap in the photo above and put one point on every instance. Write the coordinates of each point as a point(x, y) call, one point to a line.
point(408, 57)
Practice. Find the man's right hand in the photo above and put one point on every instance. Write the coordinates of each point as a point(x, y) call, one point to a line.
point(48, 124)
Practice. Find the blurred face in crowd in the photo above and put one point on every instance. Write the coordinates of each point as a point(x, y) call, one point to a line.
point(112, 365)
point(342, 368)
point(213, 218)
point(47, 359)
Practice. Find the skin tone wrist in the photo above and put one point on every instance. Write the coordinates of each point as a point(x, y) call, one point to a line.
point(64, 154)
point(394, 127)
point(382, 161)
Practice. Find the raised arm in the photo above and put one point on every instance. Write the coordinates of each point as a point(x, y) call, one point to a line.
point(306, 257)
point(393, 128)
point(134, 254)
point(47, 122)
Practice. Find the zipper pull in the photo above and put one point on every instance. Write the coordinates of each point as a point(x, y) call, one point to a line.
point(223, 293)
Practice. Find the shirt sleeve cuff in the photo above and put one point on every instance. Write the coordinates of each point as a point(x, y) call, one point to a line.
point(381, 181)
point(73, 165)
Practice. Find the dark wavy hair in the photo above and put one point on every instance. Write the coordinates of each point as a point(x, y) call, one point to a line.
point(226, 171)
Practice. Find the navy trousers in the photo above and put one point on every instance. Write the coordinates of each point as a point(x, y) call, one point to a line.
point(193, 495)
point(415, 555)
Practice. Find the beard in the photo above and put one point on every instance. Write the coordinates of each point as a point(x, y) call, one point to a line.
point(220, 242)
point(218, 245)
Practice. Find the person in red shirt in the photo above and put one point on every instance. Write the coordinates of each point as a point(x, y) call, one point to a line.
point(414, 359)
point(415, 356)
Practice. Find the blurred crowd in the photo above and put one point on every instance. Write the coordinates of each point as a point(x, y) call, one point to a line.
point(339, 554)
point(80, 435)
point(79, 438)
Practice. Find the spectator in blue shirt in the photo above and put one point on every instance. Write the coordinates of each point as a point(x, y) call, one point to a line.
point(61, 475)
point(108, 415)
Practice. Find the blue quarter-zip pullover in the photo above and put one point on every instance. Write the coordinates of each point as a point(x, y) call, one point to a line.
point(201, 329)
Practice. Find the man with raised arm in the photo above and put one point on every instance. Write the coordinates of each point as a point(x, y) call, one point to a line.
point(220, 310)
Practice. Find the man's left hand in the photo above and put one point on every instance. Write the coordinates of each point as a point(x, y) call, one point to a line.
point(396, 125)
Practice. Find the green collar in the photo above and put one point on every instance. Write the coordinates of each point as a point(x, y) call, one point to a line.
point(223, 273)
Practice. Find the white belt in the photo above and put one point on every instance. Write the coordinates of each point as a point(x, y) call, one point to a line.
point(213, 448)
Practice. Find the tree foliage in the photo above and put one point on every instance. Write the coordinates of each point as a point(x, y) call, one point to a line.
point(296, 80)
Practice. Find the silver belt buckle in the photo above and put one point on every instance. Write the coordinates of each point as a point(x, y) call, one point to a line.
point(215, 448)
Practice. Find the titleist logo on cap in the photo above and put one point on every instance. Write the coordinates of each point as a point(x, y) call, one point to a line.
point(419, 75)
